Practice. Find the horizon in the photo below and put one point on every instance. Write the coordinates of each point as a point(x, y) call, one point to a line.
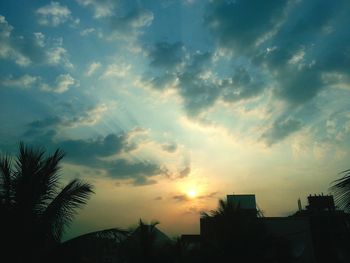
point(167, 106)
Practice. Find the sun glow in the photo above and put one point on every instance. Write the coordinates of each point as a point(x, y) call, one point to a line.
point(192, 193)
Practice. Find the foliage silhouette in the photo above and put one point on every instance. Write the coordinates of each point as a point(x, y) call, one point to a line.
point(34, 209)
point(341, 190)
point(145, 244)
point(98, 246)
point(232, 233)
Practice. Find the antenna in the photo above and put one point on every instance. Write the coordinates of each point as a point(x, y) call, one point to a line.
point(299, 204)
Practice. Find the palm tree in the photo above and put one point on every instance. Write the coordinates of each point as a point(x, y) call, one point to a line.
point(341, 190)
point(34, 209)
point(230, 232)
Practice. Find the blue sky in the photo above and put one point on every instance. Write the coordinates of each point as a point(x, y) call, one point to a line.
point(151, 100)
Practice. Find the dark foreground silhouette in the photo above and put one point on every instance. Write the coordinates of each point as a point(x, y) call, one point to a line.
point(341, 190)
point(35, 210)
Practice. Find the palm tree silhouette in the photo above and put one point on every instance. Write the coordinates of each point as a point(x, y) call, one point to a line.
point(231, 232)
point(341, 190)
point(34, 209)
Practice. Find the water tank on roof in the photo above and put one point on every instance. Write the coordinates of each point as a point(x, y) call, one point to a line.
point(244, 201)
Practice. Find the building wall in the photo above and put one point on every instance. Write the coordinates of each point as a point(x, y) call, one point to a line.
point(295, 232)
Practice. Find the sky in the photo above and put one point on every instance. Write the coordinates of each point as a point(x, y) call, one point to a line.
point(167, 106)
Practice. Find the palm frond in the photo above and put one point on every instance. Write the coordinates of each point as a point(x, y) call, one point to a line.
point(48, 176)
point(225, 210)
point(27, 166)
point(36, 178)
point(61, 211)
point(6, 174)
point(341, 190)
point(116, 234)
point(204, 214)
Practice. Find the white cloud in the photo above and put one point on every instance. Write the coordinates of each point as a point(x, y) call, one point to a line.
point(100, 8)
point(297, 57)
point(40, 39)
point(130, 26)
point(58, 55)
point(24, 81)
point(18, 57)
point(116, 70)
point(143, 19)
point(92, 68)
point(7, 49)
point(87, 31)
point(53, 14)
point(35, 49)
point(62, 84)
point(91, 117)
point(5, 28)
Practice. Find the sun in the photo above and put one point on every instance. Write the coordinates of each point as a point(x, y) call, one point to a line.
point(192, 193)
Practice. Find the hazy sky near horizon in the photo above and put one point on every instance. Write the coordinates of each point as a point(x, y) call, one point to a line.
point(166, 106)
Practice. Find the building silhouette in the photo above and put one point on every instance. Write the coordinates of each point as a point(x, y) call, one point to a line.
point(319, 233)
point(330, 228)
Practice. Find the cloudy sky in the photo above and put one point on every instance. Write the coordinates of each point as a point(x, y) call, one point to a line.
point(166, 106)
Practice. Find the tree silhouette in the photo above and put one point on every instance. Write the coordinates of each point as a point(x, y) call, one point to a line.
point(147, 243)
point(233, 233)
point(341, 190)
point(98, 246)
point(34, 209)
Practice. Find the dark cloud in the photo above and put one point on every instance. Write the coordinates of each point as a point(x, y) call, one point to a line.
point(241, 86)
point(165, 59)
point(45, 123)
point(286, 46)
point(87, 152)
point(92, 153)
point(281, 129)
point(198, 94)
point(184, 197)
point(295, 41)
point(71, 115)
point(208, 196)
point(195, 81)
point(177, 175)
point(180, 198)
point(105, 153)
point(185, 172)
point(199, 61)
point(166, 55)
point(239, 24)
point(123, 168)
point(299, 86)
point(197, 91)
point(158, 198)
point(169, 147)
point(304, 49)
point(143, 180)
point(162, 81)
